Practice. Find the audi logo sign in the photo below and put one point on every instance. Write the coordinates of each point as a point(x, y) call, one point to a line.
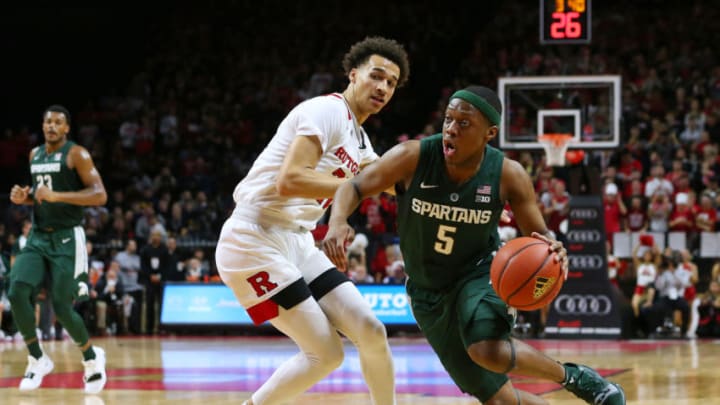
point(586, 262)
point(584, 236)
point(583, 213)
point(583, 304)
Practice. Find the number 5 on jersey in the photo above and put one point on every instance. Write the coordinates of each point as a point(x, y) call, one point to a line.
point(445, 242)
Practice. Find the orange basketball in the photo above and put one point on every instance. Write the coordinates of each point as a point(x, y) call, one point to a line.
point(525, 275)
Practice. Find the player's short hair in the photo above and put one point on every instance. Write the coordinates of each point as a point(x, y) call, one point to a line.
point(58, 109)
point(361, 51)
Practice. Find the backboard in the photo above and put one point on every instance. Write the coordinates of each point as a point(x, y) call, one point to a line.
point(587, 107)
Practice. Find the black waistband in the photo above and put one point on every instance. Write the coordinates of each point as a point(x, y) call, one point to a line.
point(50, 229)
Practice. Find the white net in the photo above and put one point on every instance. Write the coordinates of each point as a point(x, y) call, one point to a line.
point(555, 146)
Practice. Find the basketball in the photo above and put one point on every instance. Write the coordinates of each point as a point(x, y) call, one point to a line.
point(525, 275)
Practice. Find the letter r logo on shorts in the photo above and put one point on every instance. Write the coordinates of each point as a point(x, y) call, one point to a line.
point(261, 283)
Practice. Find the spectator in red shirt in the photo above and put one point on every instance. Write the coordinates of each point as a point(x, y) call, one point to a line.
point(633, 186)
point(614, 210)
point(555, 206)
point(677, 172)
point(637, 218)
point(372, 209)
point(628, 165)
point(683, 186)
point(681, 217)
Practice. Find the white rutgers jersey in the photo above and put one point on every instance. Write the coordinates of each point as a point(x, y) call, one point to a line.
point(330, 119)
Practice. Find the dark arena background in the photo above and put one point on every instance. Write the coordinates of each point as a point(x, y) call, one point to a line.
point(612, 107)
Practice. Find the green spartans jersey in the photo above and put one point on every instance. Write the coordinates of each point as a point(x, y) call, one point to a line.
point(448, 230)
point(52, 171)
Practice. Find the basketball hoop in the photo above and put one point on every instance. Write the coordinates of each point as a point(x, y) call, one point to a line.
point(555, 146)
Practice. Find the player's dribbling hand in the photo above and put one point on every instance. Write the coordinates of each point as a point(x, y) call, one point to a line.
point(18, 194)
point(559, 250)
point(334, 244)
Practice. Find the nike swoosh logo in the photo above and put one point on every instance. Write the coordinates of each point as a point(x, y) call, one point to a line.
point(66, 240)
point(423, 185)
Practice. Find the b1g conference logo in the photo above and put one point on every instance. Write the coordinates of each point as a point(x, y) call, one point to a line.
point(583, 304)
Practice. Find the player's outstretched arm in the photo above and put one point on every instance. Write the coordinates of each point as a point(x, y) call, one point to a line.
point(94, 192)
point(396, 166)
point(516, 187)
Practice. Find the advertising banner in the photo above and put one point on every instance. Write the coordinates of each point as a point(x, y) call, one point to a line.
point(215, 304)
point(585, 307)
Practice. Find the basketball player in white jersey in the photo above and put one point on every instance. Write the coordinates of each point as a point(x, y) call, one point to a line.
point(266, 253)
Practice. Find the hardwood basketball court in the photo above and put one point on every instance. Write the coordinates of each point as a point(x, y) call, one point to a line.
point(223, 370)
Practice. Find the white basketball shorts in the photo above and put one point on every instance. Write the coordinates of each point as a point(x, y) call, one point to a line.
point(257, 262)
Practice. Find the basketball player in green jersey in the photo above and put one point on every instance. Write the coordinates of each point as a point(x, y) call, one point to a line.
point(451, 189)
point(64, 179)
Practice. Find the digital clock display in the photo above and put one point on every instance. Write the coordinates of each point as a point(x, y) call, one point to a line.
point(565, 22)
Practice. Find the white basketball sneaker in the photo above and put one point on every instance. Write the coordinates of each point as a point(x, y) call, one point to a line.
point(35, 371)
point(95, 377)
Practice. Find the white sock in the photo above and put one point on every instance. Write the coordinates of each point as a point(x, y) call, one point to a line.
point(321, 353)
point(351, 314)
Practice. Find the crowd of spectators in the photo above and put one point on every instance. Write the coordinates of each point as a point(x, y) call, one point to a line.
point(203, 104)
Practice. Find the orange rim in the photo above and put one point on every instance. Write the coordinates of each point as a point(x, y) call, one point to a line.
point(556, 139)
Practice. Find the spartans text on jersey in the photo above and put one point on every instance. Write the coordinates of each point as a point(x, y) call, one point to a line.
point(45, 168)
point(450, 213)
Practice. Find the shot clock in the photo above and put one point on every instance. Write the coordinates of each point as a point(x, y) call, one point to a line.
point(565, 22)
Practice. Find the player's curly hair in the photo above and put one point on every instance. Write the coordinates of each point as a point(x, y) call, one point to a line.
point(387, 48)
